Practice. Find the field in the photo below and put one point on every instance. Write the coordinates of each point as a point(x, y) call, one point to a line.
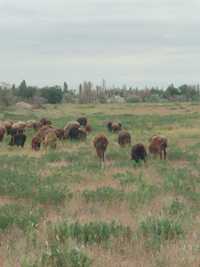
point(62, 209)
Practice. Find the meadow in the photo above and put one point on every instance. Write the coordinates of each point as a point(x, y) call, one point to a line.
point(60, 208)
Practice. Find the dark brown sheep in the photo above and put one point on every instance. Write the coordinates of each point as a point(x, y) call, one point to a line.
point(124, 138)
point(45, 121)
point(138, 152)
point(114, 126)
point(83, 121)
point(59, 133)
point(36, 143)
point(158, 146)
point(2, 133)
point(88, 128)
point(100, 143)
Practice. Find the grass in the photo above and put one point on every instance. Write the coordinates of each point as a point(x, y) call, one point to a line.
point(20, 216)
point(93, 232)
point(158, 230)
point(62, 208)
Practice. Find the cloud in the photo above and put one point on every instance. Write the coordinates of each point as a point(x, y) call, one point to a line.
point(135, 41)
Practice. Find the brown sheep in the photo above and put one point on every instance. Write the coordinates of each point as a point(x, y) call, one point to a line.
point(83, 121)
point(36, 143)
point(138, 152)
point(88, 128)
point(70, 125)
point(8, 126)
point(100, 143)
point(59, 133)
point(124, 138)
point(158, 145)
point(50, 140)
point(2, 132)
point(114, 126)
point(45, 121)
point(109, 126)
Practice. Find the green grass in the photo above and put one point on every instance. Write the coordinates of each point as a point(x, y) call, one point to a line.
point(93, 232)
point(20, 216)
point(64, 202)
point(158, 230)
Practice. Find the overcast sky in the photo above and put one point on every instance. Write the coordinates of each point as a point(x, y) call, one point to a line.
point(134, 42)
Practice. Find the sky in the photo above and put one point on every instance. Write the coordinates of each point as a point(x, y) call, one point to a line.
point(134, 42)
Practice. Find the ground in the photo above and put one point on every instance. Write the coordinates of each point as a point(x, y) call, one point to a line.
point(62, 208)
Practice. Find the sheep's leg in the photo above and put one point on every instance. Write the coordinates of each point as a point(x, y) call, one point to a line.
point(161, 154)
point(165, 153)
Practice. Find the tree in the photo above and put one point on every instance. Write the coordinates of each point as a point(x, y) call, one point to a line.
point(65, 87)
point(53, 94)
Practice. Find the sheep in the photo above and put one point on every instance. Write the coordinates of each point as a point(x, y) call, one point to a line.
point(158, 145)
point(19, 125)
point(70, 125)
point(109, 126)
point(18, 138)
point(45, 121)
point(114, 126)
point(124, 138)
point(83, 121)
point(2, 132)
point(36, 143)
point(100, 143)
point(88, 128)
point(59, 133)
point(8, 126)
point(50, 140)
point(138, 152)
point(73, 131)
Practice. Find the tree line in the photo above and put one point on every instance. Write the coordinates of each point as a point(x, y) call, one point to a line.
point(89, 93)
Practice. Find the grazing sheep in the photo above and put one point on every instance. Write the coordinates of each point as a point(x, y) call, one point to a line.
point(138, 152)
point(100, 143)
point(45, 121)
point(158, 145)
point(83, 121)
point(109, 126)
point(50, 140)
point(114, 126)
point(124, 138)
point(21, 125)
point(59, 133)
point(2, 133)
point(36, 143)
point(88, 128)
point(30, 124)
point(70, 125)
point(8, 126)
point(18, 138)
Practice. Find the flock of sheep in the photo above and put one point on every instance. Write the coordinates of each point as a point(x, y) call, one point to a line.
point(48, 135)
